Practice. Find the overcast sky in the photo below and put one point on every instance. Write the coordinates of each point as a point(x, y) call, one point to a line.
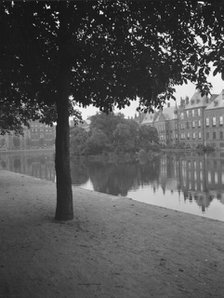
point(181, 91)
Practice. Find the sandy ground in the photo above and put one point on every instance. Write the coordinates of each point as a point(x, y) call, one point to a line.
point(114, 247)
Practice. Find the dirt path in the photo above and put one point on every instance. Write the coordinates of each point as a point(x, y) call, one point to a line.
point(113, 248)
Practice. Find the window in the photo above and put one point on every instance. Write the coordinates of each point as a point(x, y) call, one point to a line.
point(182, 115)
point(214, 135)
point(199, 135)
point(192, 113)
point(221, 120)
point(199, 123)
point(221, 135)
point(187, 112)
point(195, 176)
point(209, 177)
point(207, 135)
point(188, 136)
point(187, 125)
point(193, 135)
point(199, 112)
point(216, 178)
point(193, 124)
point(207, 121)
point(214, 121)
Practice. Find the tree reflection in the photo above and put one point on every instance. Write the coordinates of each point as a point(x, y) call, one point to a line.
point(118, 179)
point(17, 165)
point(197, 178)
point(79, 172)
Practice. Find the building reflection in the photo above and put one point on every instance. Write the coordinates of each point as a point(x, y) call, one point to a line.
point(199, 177)
point(38, 164)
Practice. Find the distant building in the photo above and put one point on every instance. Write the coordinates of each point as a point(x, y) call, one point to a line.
point(149, 119)
point(214, 122)
point(38, 135)
point(166, 123)
point(192, 120)
point(197, 121)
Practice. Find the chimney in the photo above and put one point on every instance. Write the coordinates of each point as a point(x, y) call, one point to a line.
point(182, 102)
point(187, 100)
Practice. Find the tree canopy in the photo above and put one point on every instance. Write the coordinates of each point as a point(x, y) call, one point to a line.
point(112, 133)
point(103, 53)
point(112, 50)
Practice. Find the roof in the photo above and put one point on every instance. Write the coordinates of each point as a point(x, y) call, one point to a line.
point(170, 113)
point(217, 102)
point(148, 119)
point(197, 100)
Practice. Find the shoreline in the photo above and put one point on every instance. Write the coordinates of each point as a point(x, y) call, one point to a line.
point(114, 247)
point(27, 150)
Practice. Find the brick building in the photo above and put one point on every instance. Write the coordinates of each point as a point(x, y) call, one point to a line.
point(197, 121)
point(191, 120)
point(166, 123)
point(39, 135)
point(214, 122)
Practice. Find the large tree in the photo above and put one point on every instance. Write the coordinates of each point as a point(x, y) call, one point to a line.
point(103, 53)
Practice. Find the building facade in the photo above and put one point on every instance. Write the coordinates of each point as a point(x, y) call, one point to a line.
point(192, 120)
point(197, 121)
point(214, 122)
point(37, 136)
point(166, 123)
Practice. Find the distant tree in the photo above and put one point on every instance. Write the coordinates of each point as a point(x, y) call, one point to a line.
point(97, 143)
point(79, 138)
point(2, 142)
point(147, 136)
point(16, 142)
point(107, 123)
point(103, 53)
point(125, 136)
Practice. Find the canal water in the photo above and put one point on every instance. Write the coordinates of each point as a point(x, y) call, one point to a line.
point(192, 183)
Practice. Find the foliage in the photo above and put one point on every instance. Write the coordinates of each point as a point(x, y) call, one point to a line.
point(205, 148)
point(112, 133)
point(106, 123)
point(147, 135)
point(97, 142)
point(79, 139)
point(125, 136)
point(104, 46)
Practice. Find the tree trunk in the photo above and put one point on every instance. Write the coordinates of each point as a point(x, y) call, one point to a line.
point(64, 209)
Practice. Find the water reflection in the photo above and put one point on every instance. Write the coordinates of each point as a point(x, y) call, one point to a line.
point(115, 179)
point(38, 164)
point(187, 182)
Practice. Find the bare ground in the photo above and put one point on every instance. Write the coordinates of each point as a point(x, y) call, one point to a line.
point(114, 247)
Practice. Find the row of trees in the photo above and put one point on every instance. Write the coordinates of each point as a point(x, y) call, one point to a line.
point(112, 133)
